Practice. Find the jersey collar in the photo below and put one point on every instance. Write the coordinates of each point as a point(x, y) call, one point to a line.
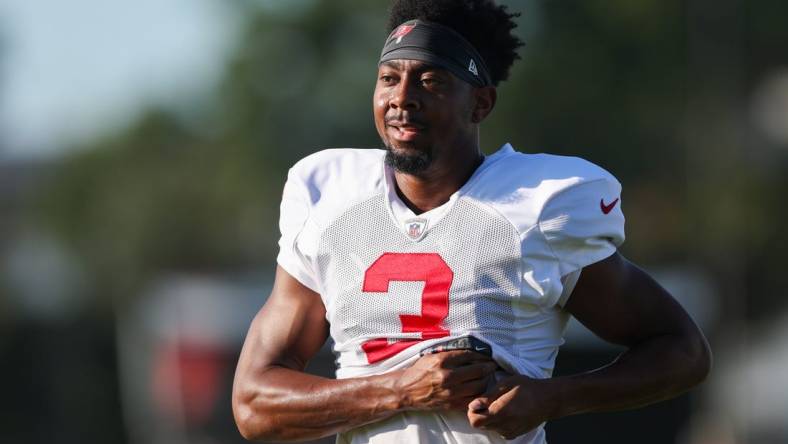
point(404, 218)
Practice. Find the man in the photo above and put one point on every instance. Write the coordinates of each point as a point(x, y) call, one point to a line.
point(446, 278)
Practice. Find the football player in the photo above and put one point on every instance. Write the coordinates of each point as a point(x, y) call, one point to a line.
point(445, 278)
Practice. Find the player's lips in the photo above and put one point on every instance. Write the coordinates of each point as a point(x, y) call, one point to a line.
point(405, 130)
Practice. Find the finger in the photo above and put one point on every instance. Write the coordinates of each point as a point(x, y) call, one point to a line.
point(484, 403)
point(461, 404)
point(477, 371)
point(469, 390)
point(480, 419)
point(458, 358)
point(500, 402)
point(479, 405)
point(485, 413)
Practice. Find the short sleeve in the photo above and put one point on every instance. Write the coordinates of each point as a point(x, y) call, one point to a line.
point(293, 216)
point(584, 224)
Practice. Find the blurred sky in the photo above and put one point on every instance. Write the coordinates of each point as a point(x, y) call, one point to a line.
point(70, 71)
point(73, 71)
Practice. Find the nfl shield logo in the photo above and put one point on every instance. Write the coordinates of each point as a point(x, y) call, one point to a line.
point(416, 228)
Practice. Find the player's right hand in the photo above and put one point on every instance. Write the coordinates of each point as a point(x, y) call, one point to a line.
point(445, 380)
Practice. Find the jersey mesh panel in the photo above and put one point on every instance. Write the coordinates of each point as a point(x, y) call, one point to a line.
point(480, 247)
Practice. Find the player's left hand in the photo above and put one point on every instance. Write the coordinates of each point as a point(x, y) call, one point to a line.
point(514, 406)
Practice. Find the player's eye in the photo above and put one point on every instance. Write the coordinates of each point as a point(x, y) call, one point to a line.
point(430, 82)
point(386, 78)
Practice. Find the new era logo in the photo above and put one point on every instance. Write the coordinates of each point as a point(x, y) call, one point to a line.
point(472, 68)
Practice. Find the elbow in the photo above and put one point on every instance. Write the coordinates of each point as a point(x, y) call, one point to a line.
point(247, 422)
point(246, 429)
point(698, 359)
point(253, 424)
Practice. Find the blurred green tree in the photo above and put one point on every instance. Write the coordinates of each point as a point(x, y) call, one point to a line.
point(655, 91)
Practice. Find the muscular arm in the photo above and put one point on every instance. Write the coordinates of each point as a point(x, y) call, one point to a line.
point(273, 399)
point(666, 354)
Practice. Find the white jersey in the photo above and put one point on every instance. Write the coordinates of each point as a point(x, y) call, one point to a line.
point(497, 261)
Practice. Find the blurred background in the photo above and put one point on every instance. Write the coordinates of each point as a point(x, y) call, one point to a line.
point(144, 146)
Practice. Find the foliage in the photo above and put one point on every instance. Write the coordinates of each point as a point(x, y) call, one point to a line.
point(655, 91)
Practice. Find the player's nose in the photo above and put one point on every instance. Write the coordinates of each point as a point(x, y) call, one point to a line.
point(405, 95)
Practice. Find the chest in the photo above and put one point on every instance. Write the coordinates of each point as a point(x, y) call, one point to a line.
point(462, 274)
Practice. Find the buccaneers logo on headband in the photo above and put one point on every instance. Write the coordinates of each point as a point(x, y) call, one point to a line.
point(402, 31)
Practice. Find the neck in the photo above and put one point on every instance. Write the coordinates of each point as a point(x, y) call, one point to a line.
point(435, 186)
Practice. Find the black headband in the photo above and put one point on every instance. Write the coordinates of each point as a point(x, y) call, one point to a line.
point(436, 44)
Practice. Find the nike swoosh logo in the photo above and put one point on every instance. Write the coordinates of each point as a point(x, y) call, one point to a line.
point(607, 208)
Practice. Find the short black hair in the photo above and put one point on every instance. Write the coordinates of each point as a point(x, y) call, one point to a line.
point(484, 24)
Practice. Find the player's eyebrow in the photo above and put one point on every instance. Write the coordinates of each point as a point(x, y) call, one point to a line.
point(418, 67)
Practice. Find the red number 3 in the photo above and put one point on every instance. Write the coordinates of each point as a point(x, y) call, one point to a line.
point(411, 267)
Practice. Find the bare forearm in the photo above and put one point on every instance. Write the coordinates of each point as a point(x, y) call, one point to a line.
point(655, 370)
point(667, 352)
point(291, 405)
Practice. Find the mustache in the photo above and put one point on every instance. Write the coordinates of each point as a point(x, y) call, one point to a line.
point(404, 120)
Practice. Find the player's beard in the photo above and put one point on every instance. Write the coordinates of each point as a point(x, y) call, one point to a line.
point(408, 163)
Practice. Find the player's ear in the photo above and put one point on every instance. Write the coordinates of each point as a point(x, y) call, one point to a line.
point(485, 98)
